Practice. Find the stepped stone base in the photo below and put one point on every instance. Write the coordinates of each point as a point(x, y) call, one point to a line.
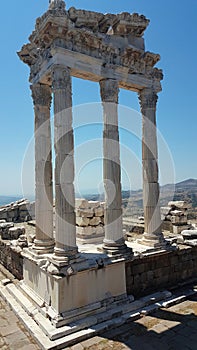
point(82, 284)
point(156, 242)
point(112, 312)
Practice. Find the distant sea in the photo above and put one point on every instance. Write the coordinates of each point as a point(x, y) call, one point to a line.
point(8, 199)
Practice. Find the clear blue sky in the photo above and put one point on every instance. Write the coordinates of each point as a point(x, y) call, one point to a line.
point(172, 33)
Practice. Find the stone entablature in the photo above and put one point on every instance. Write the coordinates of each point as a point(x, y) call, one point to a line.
point(112, 43)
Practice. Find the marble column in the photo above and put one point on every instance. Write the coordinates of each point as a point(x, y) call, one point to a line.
point(44, 242)
point(113, 242)
point(152, 235)
point(65, 221)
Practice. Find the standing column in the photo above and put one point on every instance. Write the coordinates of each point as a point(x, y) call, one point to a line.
point(44, 242)
point(114, 242)
point(65, 222)
point(153, 235)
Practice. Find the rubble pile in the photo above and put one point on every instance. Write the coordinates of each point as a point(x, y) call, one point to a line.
point(20, 211)
point(174, 217)
point(9, 232)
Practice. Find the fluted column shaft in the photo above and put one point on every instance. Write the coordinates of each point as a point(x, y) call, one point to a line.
point(44, 241)
point(65, 239)
point(114, 241)
point(153, 235)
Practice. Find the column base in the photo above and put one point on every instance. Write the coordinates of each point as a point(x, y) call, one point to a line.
point(41, 247)
point(63, 257)
point(118, 248)
point(155, 241)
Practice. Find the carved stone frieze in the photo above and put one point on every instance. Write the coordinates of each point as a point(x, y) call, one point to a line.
point(86, 32)
point(28, 54)
point(41, 95)
point(85, 19)
point(126, 23)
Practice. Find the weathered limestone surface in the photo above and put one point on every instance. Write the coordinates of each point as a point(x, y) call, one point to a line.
point(108, 49)
point(89, 221)
point(65, 245)
point(114, 240)
point(174, 216)
point(152, 217)
point(19, 211)
point(154, 272)
point(44, 241)
point(94, 46)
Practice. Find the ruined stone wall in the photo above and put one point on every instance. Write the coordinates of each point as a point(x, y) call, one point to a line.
point(20, 211)
point(11, 259)
point(151, 273)
point(89, 221)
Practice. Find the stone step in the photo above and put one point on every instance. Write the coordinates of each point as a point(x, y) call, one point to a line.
point(50, 338)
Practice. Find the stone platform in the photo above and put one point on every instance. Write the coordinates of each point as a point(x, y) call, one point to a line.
point(114, 316)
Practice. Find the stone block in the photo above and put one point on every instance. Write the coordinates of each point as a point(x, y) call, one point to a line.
point(177, 229)
point(189, 234)
point(88, 213)
point(3, 214)
point(165, 210)
point(93, 204)
point(12, 213)
point(179, 219)
point(23, 206)
point(95, 221)
point(99, 230)
point(177, 212)
point(4, 228)
point(82, 221)
point(64, 293)
point(81, 203)
point(88, 230)
point(178, 204)
point(15, 232)
point(99, 211)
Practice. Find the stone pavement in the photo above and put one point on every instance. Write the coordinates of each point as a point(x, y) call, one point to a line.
point(166, 329)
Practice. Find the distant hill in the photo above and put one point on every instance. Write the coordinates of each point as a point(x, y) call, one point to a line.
point(133, 200)
point(183, 191)
point(187, 190)
point(189, 184)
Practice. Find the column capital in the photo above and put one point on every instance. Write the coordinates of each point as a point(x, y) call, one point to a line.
point(109, 90)
point(41, 95)
point(148, 98)
point(61, 78)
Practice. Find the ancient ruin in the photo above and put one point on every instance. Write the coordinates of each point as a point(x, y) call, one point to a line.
point(72, 294)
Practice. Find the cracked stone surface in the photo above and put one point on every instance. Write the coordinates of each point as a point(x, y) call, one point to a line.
point(168, 329)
